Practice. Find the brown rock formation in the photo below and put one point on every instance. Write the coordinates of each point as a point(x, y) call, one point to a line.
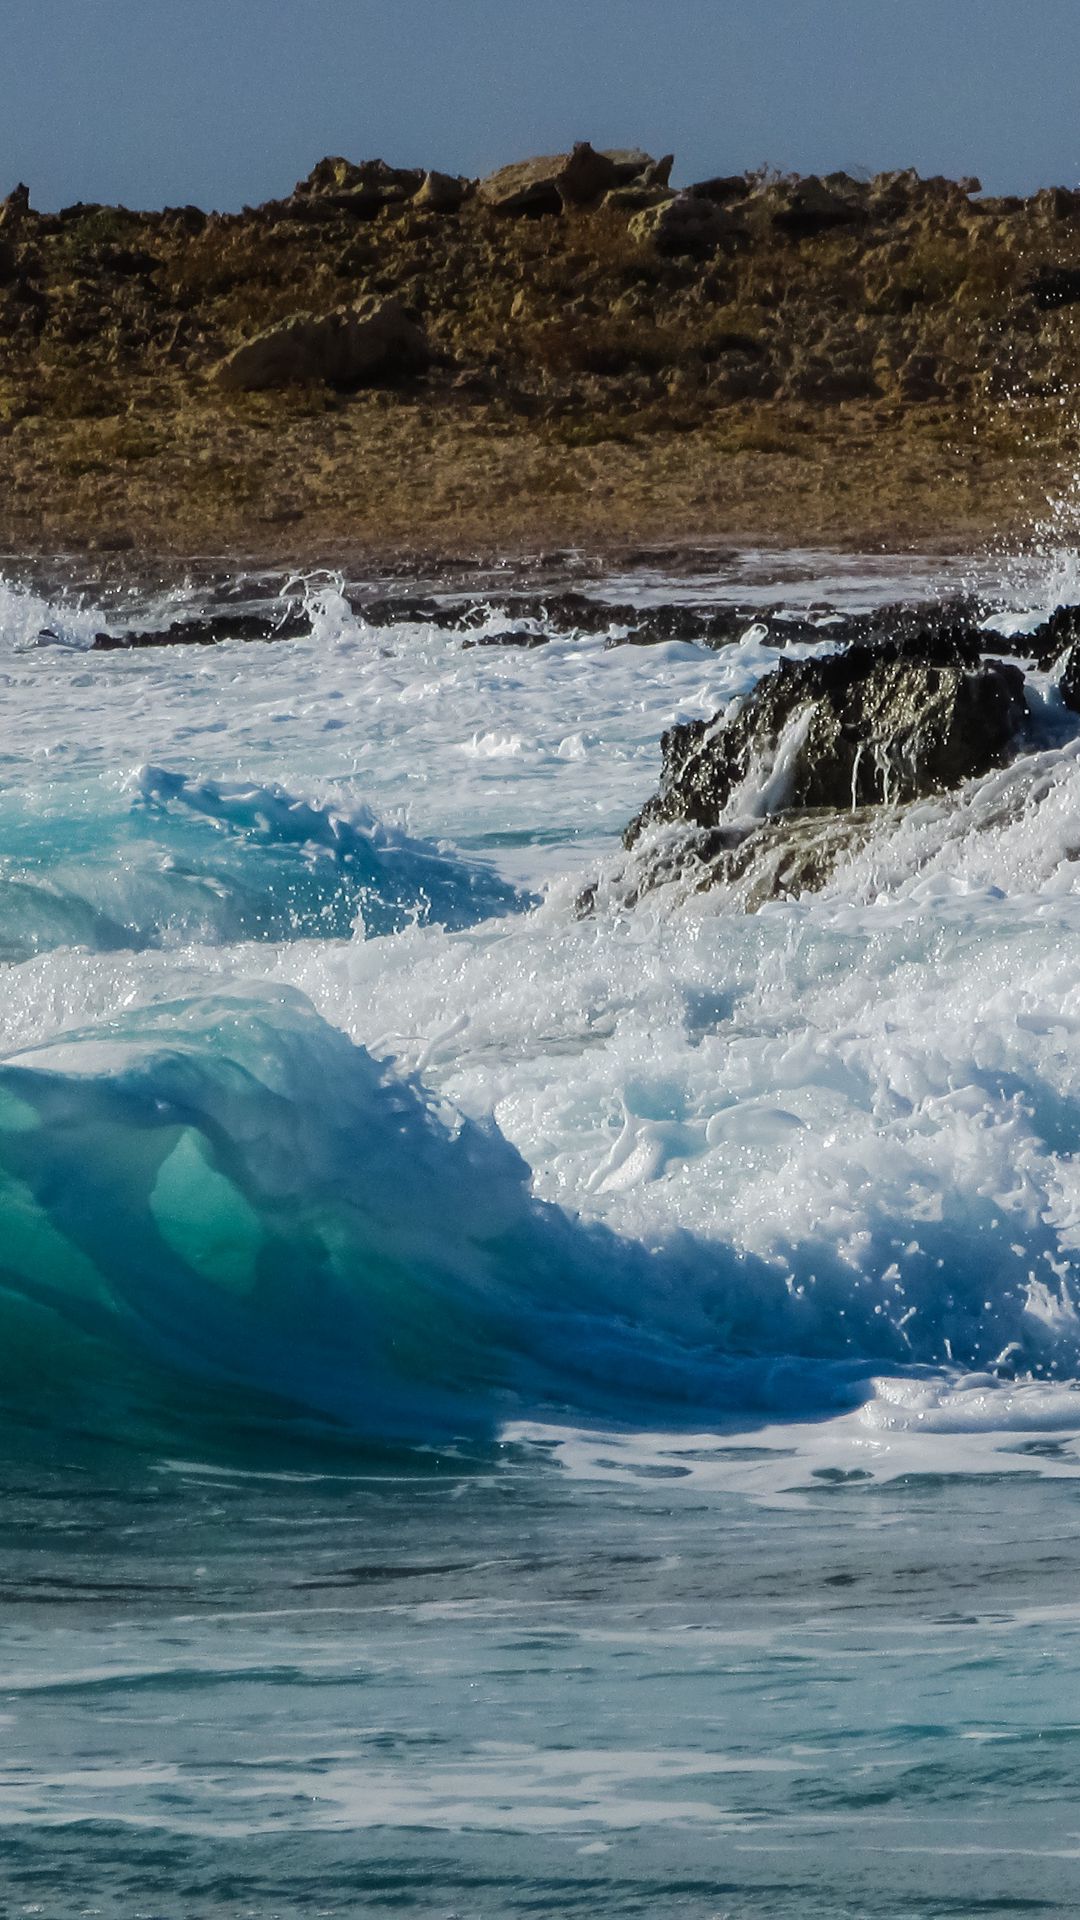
point(758, 351)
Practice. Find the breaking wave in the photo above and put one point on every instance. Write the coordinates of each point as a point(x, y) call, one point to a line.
point(224, 1210)
point(213, 862)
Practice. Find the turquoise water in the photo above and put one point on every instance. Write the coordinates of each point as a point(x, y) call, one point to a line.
point(506, 1411)
point(478, 1688)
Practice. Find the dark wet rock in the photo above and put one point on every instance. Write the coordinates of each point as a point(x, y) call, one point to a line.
point(1050, 645)
point(1048, 640)
point(401, 610)
point(513, 637)
point(874, 724)
point(780, 859)
point(701, 623)
point(208, 632)
point(374, 340)
point(1069, 684)
point(1055, 647)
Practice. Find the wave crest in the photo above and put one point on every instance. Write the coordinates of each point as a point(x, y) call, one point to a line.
point(224, 1207)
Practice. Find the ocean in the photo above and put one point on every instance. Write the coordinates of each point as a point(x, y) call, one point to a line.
point(518, 1398)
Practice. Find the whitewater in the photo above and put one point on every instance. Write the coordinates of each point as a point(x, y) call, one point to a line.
point(516, 1397)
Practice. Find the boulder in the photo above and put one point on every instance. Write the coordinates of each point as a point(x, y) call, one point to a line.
point(440, 193)
point(875, 724)
point(372, 341)
point(686, 225)
point(586, 176)
point(550, 182)
point(525, 187)
point(631, 163)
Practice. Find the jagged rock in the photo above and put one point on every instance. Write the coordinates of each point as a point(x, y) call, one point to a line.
point(184, 219)
point(780, 859)
point(874, 724)
point(686, 225)
point(335, 175)
point(659, 173)
point(550, 182)
point(1056, 203)
point(705, 623)
point(1056, 644)
point(440, 193)
point(14, 210)
point(372, 341)
point(586, 176)
point(894, 192)
point(342, 186)
point(631, 163)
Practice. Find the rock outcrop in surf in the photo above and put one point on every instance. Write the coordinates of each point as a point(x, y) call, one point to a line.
point(791, 773)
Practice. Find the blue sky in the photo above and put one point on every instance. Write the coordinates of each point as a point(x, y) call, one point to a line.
point(152, 102)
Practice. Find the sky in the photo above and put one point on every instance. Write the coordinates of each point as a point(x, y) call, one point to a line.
point(223, 102)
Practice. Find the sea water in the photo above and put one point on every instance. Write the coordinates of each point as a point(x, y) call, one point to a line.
point(510, 1408)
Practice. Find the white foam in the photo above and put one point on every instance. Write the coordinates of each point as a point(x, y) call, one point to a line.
point(872, 1091)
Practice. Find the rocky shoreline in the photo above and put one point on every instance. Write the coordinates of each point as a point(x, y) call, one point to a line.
point(870, 715)
point(767, 796)
point(573, 351)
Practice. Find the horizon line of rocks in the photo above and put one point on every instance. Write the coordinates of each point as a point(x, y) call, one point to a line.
point(583, 178)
